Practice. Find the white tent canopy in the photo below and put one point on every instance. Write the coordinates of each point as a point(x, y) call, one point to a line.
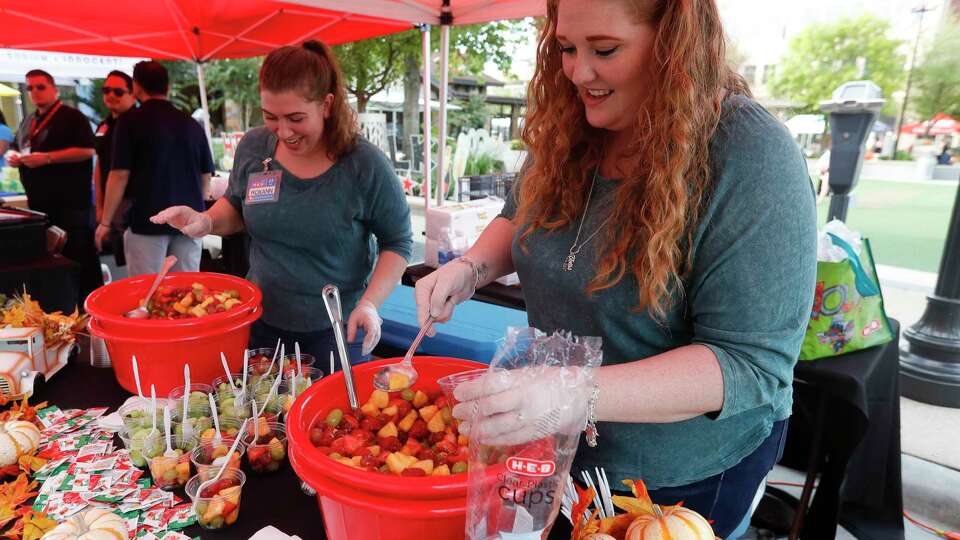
point(436, 12)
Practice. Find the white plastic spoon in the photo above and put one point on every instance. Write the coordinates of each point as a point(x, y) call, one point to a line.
point(226, 369)
point(136, 377)
point(170, 452)
point(186, 399)
point(216, 421)
point(153, 409)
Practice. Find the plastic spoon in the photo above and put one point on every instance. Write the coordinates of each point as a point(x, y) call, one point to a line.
point(170, 452)
point(226, 369)
point(246, 364)
point(405, 368)
point(296, 352)
point(331, 300)
point(223, 467)
point(153, 409)
point(256, 421)
point(186, 399)
point(216, 421)
point(136, 377)
point(270, 395)
point(140, 312)
point(274, 359)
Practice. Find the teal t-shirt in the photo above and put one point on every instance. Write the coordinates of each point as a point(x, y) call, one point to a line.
point(327, 229)
point(747, 298)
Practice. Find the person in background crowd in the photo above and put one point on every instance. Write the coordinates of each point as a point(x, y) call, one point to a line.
point(118, 97)
point(665, 211)
point(162, 154)
point(823, 168)
point(6, 137)
point(55, 156)
point(320, 203)
point(944, 157)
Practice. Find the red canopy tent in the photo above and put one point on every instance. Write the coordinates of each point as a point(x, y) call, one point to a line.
point(196, 30)
point(940, 124)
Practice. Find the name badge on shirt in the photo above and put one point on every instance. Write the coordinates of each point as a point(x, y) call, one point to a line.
point(263, 187)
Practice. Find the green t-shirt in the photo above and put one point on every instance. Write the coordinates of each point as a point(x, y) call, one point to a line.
point(747, 298)
point(327, 229)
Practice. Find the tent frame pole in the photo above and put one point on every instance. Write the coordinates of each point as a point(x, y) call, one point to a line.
point(444, 77)
point(427, 82)
point(204, 105)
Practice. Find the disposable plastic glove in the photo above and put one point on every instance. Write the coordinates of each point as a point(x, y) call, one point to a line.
point(185, 219)
point(365, 316)
point(442, 289)
point(522, 405)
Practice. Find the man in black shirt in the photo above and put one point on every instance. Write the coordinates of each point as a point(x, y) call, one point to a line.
point(55, 151)
point(162, 153)
point(118, 98)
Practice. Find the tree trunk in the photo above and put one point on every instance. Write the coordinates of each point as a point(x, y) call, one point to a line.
point(411, 97)
point(362, 100)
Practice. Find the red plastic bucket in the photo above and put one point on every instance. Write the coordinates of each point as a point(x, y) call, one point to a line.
point(163, 347)
point(362, 505)
point(108, 304)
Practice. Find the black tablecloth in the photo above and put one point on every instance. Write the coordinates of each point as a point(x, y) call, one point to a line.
point(51, 280)
point(266, 500)
point(860, 483)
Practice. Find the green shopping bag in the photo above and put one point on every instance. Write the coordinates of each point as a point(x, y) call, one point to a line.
point(848, 310)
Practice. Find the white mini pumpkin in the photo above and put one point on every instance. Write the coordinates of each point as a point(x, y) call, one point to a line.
point(16, 439)
point(94, 524)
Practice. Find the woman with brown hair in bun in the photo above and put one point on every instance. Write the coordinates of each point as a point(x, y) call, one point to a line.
point(320, 204)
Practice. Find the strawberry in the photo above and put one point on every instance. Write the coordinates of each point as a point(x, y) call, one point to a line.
point(349, 422)
point(371, 424)
point(389, 444)
point(426, 454)
point(419, 429)
point(413, 471)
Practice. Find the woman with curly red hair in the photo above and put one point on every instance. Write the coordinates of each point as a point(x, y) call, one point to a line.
point(664, 210)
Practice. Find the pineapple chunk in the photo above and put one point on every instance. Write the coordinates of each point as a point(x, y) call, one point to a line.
point(442, 470)
point(230, 303)
point(397, 462)
point(390, 411)
point(198, 311)
point(426, 465)
point(389, 430)
point(398, 381)
point(380, 398)
point(231, 494)
point(370, 409)
point(187, 300)
point(436, 424)
point(179, 308)
point(374, 450)
point(420, 399)
point(408, 421)
point(428, 412)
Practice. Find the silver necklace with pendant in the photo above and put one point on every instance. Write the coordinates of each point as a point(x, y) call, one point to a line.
point(571, 257)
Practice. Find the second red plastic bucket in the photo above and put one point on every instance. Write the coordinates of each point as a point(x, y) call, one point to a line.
point(161, 361)
point(362, 505)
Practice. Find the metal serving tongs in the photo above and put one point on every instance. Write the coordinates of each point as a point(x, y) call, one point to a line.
point(331, 299)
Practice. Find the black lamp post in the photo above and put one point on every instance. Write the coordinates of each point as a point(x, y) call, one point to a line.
point(930, 361)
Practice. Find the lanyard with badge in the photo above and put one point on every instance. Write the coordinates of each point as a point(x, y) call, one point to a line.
point(36, 129)
point(264, 186)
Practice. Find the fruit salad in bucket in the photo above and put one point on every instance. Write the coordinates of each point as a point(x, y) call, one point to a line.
point(198, 300)
point(406, 433)
point(540, 386)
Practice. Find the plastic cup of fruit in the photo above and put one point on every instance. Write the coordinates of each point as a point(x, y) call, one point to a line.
point(171, 473)
point(218, 506)
point(228, 428)
point(136, 414)
point(143, 444)
point(267, 453)
point(198, 405)
point(290, 363)
point(207, 457)
point(222, 389)
point(260, 393)
point(233, 407)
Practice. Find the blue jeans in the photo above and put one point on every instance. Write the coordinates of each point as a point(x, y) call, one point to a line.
point(725, 498)
point(319, 344)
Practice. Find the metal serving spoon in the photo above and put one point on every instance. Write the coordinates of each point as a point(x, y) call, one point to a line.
point(140, 312)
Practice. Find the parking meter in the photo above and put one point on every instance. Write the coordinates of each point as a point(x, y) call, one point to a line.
point(853, 110)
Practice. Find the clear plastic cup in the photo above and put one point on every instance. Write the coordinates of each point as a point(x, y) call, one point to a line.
point(206, 455)
point(198, 404)
point(221, 385)
point(233, 407)
point(260, 393)
point(136, 414)
point(308, 377)
point(218, 506)
point(143, 444)
point(229, 427)
point(170, 473)
point(290, 362)
point(267, 453)
point(450, 382)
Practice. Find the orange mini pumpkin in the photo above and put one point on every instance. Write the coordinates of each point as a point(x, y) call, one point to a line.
point(673, 523)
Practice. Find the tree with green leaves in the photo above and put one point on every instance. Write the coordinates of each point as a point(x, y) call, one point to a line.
point(936, 81)
point(825, 55)
point(237, 81)
point(371, 65)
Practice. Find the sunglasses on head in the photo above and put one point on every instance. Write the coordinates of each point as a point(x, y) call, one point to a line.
point(119, 92)
point(37, 87)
